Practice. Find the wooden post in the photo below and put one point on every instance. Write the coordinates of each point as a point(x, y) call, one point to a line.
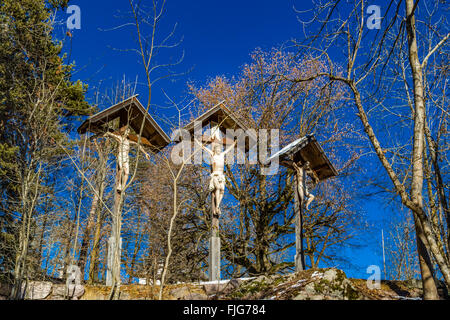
point(113, 271)
point(298, 207)
point(214, 246)
point(115, 259)
point(105, 122)
point(214, 240)
point(384, 260)
point(110, 260)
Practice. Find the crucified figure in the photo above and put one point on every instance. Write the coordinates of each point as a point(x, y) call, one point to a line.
point(123, 160)
point(302, 188)
point(217, 182)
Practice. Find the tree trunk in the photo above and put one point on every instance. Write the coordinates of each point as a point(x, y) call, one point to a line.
point(298, 207)
point(429, 286)
point(426, 265)
point(116, 232)
point(87, 234)
point(93, 265)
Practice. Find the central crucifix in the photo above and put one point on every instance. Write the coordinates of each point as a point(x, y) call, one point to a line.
point(219, 118)
point(217, 178)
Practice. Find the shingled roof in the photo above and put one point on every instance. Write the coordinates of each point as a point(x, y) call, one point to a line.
point(307, 149)
point(225, 119)
point(131, 112)
point(219, 114)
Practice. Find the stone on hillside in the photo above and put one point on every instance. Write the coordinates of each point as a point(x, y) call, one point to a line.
point(180, 293)
point(331, 285)
point(196, 296)
point(331, 275)
point(5, 289)
point(38, 290)
point(220, 288)
point(213, 288)
point(186, 293)
point(255, 288)
point(232, 285)
point(74, 292)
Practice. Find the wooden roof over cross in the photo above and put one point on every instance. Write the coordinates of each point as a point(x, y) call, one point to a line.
point(131, 112)
point(307, 149)
point(223, 117)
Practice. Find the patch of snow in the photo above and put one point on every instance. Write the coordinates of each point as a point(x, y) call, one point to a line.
point(224, 281)
point(248, 278)
point(317, 274)
point(214, 282)
point(143, 281)
point(298, 284)
point(407, 298)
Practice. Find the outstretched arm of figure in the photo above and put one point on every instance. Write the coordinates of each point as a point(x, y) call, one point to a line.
point(203, 147)
point(116, 137)
point(314, 177)
point(311, 173)
point(230, 147)
point(147, 156)
point(112, 135)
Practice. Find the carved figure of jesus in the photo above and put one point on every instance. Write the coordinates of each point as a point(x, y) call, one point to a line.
point(217, 181)
point(123, 159)
point(302, 188)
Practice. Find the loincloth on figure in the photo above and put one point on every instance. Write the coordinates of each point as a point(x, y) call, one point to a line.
point(216, 178)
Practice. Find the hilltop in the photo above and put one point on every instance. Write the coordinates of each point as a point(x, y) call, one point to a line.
point(314, 284)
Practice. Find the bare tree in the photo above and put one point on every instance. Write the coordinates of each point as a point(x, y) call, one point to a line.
point(371, 76)
point(400, 245)
point(264, 96)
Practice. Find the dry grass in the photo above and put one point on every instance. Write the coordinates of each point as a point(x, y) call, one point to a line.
point(137, 292)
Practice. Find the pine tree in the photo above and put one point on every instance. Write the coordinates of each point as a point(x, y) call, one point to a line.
point(38, 102)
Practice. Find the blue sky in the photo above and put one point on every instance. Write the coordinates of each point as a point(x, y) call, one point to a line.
point(218, 37)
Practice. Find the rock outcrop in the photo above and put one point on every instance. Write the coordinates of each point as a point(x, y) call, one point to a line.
point(45, 290)
point(325, 284)
point(317, 284)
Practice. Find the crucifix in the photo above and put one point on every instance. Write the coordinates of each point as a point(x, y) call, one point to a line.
point(217, 178)
point(122, 174)
point(219, 118)
point(123, 158)
point(300, 194)
point(132, 116)
point(307, 158)
point(217, 189)
point(301, 187)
